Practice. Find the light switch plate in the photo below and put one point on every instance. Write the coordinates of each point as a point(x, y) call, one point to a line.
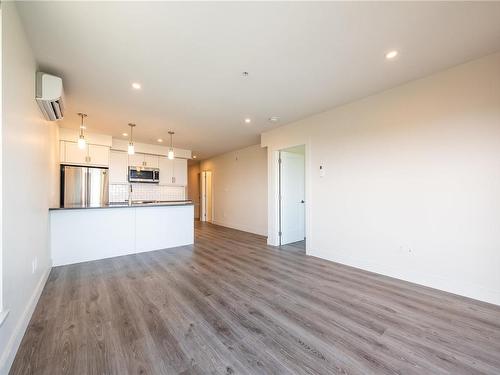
point(321, 171)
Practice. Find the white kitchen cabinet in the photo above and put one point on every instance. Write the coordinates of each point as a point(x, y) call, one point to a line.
point(136, 160)
point(166, 170)
point(89, 155)
point(151, 161)
point(98, 155)
point(74, 154)
point(173, 172)
point(180, 172)
point(143, 160)
point(62, 151)
point(118, 167)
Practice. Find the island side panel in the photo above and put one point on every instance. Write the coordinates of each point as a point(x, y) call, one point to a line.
point(89, 234)
point(164, 227)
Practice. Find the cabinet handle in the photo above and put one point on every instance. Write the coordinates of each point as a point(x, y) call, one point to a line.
point(90, 159)
point(173, 180)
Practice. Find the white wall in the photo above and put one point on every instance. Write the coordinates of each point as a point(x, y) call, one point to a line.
point(412, 184)
point(29, 168)
point(240, 189)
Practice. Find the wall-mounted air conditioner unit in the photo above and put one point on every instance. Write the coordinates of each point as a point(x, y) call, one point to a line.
point(49, 96)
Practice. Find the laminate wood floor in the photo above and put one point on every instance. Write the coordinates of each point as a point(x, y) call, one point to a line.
point(299, 247)
point(231, 305)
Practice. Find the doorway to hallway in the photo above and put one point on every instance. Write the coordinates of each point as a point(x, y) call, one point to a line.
point(292, 198)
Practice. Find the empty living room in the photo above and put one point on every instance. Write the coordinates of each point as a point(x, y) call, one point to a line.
point(250, 187)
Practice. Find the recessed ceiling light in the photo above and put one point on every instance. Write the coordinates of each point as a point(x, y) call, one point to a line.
point(391, 55)
point(136, 86)
point(274, 119)
point(160, 140)
point(125, 134)
point(194, 156)
point(248, 121)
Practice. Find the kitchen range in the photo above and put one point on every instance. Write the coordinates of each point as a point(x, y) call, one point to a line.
point(113, 202)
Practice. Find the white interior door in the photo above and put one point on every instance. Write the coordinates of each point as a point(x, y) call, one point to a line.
point(206, 196)
point(292, 197)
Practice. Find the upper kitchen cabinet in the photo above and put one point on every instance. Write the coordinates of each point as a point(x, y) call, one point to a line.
point(166, 170)
point(71, 153)
point(151, 161)
point(143, 160)
point(118, 167)
point(173, 172)
point(98, 155)
point(136, 160)
point(180, 172)
point(90, 155)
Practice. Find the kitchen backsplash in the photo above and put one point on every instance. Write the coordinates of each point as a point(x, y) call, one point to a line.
point(120, 192)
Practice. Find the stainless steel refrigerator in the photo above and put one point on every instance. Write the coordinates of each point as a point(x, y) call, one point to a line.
point(84, 186)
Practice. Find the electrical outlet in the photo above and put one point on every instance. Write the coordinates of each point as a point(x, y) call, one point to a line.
point(34, 264)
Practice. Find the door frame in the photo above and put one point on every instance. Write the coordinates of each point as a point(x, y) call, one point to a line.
point(274, 198)
point(209, 216)
point(280, 194)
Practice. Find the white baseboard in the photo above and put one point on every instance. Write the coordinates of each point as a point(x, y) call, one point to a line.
point(9, 352)
point(3, 316)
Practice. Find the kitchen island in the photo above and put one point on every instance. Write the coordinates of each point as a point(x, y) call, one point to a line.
point(80, 234)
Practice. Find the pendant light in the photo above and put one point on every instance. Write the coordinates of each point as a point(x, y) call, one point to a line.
point(81, 138)
point(171, 155)
point(131, 149)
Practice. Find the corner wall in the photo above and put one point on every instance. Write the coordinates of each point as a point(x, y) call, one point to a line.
point(193, 187)
point(29, 183)
point(412, 180)
point(239, 182)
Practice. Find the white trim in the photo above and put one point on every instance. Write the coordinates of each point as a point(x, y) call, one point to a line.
point(273, 197)
point(3, 313)
point(10, 350)
point(3, 316)
point(273, 192)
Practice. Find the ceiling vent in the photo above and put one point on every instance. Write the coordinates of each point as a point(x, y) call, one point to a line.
point(49, 96)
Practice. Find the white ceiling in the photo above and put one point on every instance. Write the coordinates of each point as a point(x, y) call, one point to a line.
point(302, 58)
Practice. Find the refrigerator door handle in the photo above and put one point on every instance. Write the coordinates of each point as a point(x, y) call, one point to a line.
point(87, 190)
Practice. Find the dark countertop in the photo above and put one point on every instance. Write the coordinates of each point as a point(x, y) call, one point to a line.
point(126, 205)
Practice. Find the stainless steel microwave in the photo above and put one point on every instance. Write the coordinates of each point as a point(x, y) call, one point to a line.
point(141, 174)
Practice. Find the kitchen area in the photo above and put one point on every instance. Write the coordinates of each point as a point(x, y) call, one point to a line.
point(118, 197)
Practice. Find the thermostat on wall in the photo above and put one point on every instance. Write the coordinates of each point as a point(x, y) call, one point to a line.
point(321, 171)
